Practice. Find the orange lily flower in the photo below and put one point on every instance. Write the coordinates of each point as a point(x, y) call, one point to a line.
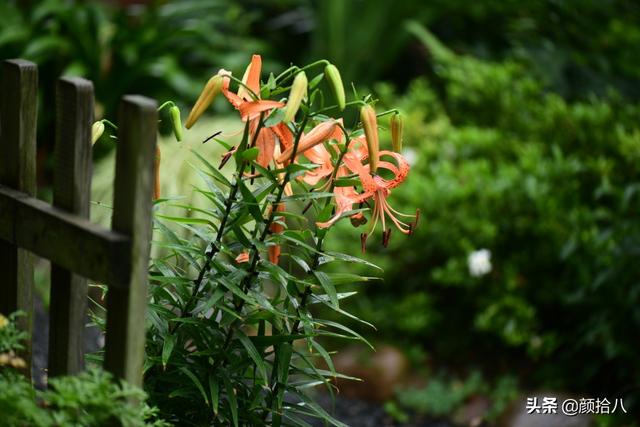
point(247, 101)
point(325, 131)
point(375, 188)
point(275, 228)
point(242, 257)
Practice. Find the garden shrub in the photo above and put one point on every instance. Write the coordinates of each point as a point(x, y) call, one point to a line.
point(550, 188)
point(92, 398)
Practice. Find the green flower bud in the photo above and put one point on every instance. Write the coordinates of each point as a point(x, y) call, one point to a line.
point(297, 93)
point(174, 112)
point(335, 81)
point(396, 132)
point(211, 89)
point(370, 126)
point(97, 129)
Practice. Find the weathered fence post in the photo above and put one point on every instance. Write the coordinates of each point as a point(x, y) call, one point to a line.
point(126, 302)
point(71, 192)
point(18, 115)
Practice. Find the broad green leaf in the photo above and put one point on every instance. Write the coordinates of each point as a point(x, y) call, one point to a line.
point(250, 154)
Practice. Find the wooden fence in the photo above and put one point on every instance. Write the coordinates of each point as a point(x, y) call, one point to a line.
point(63, 233)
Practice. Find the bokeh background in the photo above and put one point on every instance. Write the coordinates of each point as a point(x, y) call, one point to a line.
point(522, 125)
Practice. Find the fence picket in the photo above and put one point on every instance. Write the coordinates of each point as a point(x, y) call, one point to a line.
point(71, 192)
point(62, 233)
point(18, 115)
point(126, 307)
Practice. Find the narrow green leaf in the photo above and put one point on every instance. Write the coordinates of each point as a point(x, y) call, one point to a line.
point(214, 392)
point(265, 341)
point(328, 287)
point(167, 349)
point(197, 382)
point(250, 202)
point(233, 401)
point(213, 170)
point(253, 353)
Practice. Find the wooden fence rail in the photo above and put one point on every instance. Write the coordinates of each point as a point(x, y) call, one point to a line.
point(62, 232)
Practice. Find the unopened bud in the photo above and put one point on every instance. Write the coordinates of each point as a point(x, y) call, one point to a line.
point(323, 132)
point(211, 89)
point(335, 81)
point(370, 125)
point(97, 129)
point(297, 93)
point(396, 132)
point(174, 112)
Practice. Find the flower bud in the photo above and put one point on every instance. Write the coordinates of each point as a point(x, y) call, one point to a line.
point(97, 129)
point(370, 126)
point(174, 112)
point(211, 89)
point(335, 81)
point(323, 132)
point(298, 91)
point(396, 132)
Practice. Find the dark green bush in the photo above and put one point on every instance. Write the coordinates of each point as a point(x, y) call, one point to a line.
point(89, 399)
point(551, 189)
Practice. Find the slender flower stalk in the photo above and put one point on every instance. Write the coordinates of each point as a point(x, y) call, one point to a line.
point(156, 174)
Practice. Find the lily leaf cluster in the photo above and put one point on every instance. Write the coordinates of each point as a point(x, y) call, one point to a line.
point(234, 337)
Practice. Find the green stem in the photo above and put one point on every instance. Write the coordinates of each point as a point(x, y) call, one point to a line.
point(291, 71)
point(320, 240)
point(246, 281)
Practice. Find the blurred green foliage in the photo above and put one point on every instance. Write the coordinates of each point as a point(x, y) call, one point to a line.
point(164, 50)
point(91, 398)
point(550, 187)
point(574, 47)
point(442, 396)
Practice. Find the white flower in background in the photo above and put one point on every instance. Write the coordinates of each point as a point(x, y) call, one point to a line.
point(479, 262)
point(410, 155)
